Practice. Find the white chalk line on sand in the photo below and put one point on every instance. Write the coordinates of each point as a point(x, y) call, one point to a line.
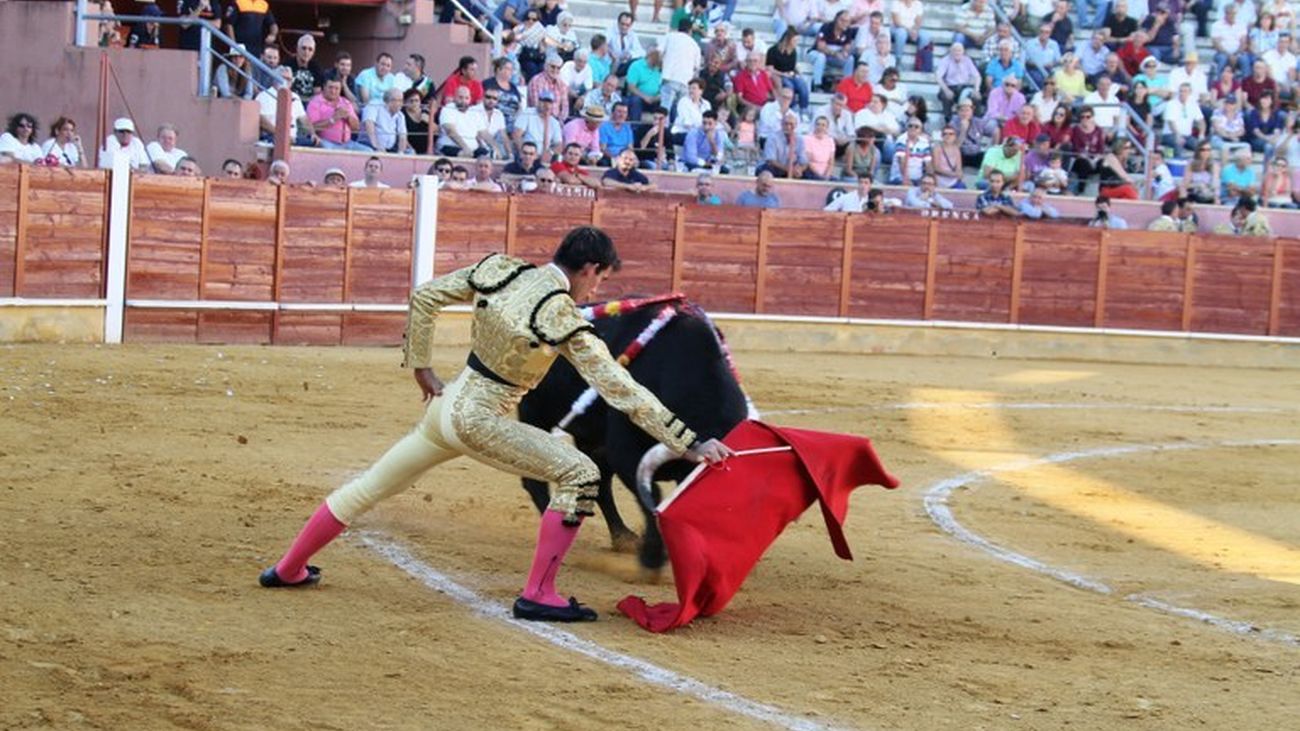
point(396, 554)
point(1029, 406)
point(936, 505)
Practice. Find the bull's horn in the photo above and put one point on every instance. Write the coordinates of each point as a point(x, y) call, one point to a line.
point(651, 461)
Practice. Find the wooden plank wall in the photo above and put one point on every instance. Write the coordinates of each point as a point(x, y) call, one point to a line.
point(9, 182)
point(61, 233)
point(245, 241)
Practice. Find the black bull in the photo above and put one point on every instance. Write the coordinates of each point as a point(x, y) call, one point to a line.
point(685, 366)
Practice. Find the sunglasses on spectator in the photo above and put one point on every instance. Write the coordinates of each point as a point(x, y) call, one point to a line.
point(25, 125)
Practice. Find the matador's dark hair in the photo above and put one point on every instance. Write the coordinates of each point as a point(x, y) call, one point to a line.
point(587, 245)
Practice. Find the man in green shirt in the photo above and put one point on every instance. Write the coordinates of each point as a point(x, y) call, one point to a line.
point(644, 77)
point(1007, 160)
point(698, 13)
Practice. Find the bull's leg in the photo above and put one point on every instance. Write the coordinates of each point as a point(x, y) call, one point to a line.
point(621, 538)
point(539, 491)
point(651, 555)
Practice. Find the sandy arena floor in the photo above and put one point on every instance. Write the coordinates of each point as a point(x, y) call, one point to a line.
point(144, 488)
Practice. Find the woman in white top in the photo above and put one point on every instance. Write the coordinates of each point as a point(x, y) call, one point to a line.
point(18, 143)
point(690, 110)
point(1046, 101)
point(65, 144)
point(561, 37)
point(163, 152)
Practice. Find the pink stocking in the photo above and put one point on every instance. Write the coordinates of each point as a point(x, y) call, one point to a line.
point(553, 541)
point(321, 528)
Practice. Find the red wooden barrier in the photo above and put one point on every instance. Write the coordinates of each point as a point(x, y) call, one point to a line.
point(59, 239)
point(9, 203)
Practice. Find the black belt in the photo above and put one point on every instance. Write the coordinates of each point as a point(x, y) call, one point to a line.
point(480, 368)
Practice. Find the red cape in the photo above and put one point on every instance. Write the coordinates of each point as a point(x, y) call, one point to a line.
point(718, 526)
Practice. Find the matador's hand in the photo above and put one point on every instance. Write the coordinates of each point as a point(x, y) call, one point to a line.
point(429, 384)
point(712, 451)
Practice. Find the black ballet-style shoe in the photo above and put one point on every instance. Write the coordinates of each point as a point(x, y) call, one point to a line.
point(271, 580)
point(533, 612)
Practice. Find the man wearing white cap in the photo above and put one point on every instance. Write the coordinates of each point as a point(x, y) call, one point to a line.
point(124, 141)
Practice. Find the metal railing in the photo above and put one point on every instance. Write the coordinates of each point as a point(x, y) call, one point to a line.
point(1129, 112)
point(494, 33)
point(207, 32)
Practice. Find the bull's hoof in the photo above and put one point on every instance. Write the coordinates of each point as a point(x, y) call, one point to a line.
point(625, 542)
point(646, 575)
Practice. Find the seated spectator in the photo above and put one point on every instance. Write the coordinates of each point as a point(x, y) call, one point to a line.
point(763, 195)
point(1071, 84)
point(510, 97)
point(1163, 185)
point(278, 173)
point(459, 179)
point(856, 88)
point(843, 127)
point(577, 75)
point(1227, 124)
point(560, 38)
point(974, 135)
point(64, 144)
point(690, 110)
point(753, 86)
point(485, 179)
point(1118, 74)
point(1108, 107)
point(569, 170)
point(1282, 64)
point(926, 197)
point(1005, 101)
point(1265, 125)
point(946, 160)
point(1092, 54)
point(854, 201)
point(783, 64)
point(881, 56)
point(385, 126)
point(994, 202)
point(1055, 180)
point(912, 155)
point(1024, 126)
point(341, 72)
point(1007, 159)
point(540, 126)
point(625, 176)
point(234, 82)
point(1162, 29)
point(1042, 56)
point(551, 11)
point(1002, 35)
point(1230, 40)
point(1140, 117)
point(549, 82)
point(1114, 181)
point(820, 149)
point(333, 117)
point(188, 167)
point(268, 102)
point(370, 178)
point(494, 135)
point(460, 129)
point(416, 119)
point(784, 155)
point(975, 23)
point(644, 80)
point(146, 34)
point(869, 18)
point(1246, 220)
point(604, 96)
point(1038, 156)
point(307, 74)
point(123, 141)
point(1103, 218)
point(798, 15)
point(894, 93)
point(706, 145)
point(655, 148)
point(1184, 122)
point(774, 113)
point(958, 79)
point(232, 169)
point(1166, 220)
point(750, 43)
point(1258, 84)
point(465, 75)
point(1276, 190)
point(1119, 25)
point(834, 47)
point(1238, 178)
point(270, 58)
point(1224, 85)
point(722, 47)
point(1200, 182)
point(704, 194)
point(861, 158)
point(336, 178)
point(511, 12)
point(1088, 142)
point(18, 143)
point(530, 36)
point(1035, 206)
point(907, 18)
point(163, 152)
point(615, 135)
point(373, 82)
point(584, 131)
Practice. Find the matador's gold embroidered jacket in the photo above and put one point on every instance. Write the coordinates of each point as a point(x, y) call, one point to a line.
point(523, 318)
